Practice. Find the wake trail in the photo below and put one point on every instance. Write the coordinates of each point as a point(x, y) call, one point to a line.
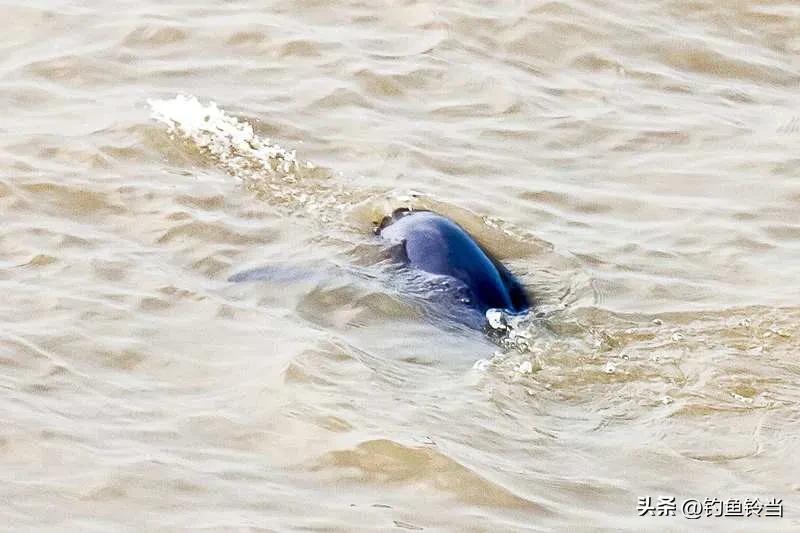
point(274, 173)
point(298, 187)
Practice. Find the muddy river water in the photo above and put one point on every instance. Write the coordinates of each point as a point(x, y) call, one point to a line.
point(636, 164)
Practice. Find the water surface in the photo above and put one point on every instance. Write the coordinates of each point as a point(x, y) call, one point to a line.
point(636, 164)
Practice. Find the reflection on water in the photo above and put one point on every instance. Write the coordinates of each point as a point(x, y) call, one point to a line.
point(634, 164)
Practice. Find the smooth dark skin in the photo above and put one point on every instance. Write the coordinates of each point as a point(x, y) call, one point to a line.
point(435, 244)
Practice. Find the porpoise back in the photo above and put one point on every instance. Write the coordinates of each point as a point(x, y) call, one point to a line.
point(435, 244)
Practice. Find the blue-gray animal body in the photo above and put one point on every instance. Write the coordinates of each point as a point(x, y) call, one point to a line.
point(440, 264)
point(435, 244)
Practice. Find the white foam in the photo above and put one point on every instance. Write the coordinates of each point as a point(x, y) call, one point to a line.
point(264, 166)
point(232, 141)
point(526, 367)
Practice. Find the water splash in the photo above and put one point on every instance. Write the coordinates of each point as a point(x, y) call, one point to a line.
point(231, 141)
point(511, 330)
point(271, 171)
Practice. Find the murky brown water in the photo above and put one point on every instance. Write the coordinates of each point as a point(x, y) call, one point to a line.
point(636, 163)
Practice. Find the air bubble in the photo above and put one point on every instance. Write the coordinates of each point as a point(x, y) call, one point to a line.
point(481, 365)
point(526, 367)
point(496, 319)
